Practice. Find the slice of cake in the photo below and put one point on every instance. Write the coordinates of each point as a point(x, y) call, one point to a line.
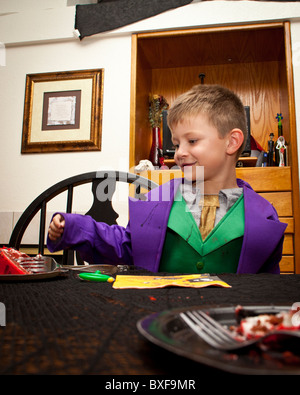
point(260, 325)
point(10, 261)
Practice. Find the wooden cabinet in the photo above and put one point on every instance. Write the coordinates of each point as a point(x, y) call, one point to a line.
point(255, 61)
point(275, 185)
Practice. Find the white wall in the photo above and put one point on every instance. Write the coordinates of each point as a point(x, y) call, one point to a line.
point(38, 37)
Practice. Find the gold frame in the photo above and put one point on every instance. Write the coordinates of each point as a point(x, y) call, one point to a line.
point(86, 137)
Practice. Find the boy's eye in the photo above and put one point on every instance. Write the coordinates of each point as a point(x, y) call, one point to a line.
point(192, 141)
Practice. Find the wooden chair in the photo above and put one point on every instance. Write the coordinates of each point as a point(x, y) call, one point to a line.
point(101, 209)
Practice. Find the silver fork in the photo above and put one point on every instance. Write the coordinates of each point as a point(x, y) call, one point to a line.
point(217, 336)
point(42, 264)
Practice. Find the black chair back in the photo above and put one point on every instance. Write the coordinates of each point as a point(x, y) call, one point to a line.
point(103, 188)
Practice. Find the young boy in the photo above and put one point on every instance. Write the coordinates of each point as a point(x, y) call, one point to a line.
point(237, 231)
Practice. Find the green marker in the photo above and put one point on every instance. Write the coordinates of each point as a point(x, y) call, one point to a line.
point(97, 276)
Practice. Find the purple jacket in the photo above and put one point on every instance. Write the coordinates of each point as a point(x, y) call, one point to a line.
point(141, 242)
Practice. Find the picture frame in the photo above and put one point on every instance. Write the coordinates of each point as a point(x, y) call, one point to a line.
point(63, 111)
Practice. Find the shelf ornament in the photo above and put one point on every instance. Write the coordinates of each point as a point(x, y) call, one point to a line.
point(157, 104)
point(280, 152)
point(279, 117)
point(281, 147)
point(270, 150)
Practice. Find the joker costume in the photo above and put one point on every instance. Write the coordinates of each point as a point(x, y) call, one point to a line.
point(249, 240)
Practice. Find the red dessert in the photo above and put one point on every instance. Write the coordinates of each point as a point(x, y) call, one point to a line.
point(260, 325)
point(10, 261)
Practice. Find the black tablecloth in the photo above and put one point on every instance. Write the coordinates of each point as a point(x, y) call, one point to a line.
point(66, 326)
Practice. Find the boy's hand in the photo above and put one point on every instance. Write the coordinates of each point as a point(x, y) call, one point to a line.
point(56, 227)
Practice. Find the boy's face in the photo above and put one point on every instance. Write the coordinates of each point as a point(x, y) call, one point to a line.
point(197, 143)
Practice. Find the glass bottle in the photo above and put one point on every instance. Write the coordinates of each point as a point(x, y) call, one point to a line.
point(156, 152)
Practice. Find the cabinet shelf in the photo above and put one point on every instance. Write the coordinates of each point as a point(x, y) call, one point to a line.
point(246, 161)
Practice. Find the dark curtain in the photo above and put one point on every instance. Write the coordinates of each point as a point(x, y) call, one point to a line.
point(111, 14)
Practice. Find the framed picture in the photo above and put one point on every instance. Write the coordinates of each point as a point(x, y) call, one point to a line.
point(63, 111)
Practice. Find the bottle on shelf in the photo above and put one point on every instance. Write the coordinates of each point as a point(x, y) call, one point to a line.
point(156, 152)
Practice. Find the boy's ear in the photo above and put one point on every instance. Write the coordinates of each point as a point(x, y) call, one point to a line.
point(235, 140)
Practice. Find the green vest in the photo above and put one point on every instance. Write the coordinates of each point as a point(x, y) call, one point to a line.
point(184, 250)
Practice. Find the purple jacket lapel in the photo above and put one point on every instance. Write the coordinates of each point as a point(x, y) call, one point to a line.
point(148, 224)
point(263, 234)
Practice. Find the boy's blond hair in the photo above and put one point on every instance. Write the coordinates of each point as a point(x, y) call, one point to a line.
point(223, 109)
